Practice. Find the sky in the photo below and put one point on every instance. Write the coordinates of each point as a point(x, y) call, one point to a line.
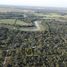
point(44, 3)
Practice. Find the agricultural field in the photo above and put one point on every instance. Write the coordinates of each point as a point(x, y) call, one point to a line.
point(33, 40)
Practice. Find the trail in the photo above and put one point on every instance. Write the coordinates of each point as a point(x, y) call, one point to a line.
point(37, 27)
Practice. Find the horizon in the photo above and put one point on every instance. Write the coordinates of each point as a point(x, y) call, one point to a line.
point(36, 3)
point(21, 6)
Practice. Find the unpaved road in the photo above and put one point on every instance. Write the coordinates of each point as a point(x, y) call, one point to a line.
point(37, 27)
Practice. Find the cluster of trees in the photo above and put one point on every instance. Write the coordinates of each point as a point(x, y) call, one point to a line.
point(38, 49)
point(18, 15)
point(10, 15)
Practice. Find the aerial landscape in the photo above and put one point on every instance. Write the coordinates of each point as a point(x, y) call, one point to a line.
point(33, 36)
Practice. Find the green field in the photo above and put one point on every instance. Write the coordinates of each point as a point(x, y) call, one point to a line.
point(11, 22)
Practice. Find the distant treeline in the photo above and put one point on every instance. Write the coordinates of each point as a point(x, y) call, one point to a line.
point(10, 15)
point(20, 16)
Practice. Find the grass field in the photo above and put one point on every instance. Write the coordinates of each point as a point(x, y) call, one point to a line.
point(7, 21)
point(11, 21)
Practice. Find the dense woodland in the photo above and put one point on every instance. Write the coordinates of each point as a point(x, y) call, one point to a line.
point(35, 49)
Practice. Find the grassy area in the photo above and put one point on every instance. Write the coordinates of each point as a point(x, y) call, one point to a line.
point(11, 21)
point(39, 14)
point(7, 21)
point(19, 22)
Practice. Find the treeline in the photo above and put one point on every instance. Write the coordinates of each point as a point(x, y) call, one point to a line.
point(10, 15)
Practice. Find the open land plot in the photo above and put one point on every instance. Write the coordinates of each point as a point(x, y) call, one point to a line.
point(7, 21)
point(11, 21)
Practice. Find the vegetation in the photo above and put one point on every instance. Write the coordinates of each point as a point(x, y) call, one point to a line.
point(33, 49)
